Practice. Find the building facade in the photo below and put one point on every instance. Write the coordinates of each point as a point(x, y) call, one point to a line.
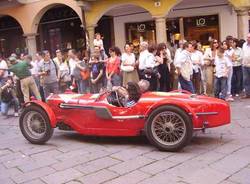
point(31, 25)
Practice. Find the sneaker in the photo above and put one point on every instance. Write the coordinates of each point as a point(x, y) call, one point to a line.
point(229, 99)
point(237, 95)
point(16, 114)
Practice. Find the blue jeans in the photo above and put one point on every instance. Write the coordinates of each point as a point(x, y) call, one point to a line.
point(220, 87)
point(237, 80)
point(186, 85)
point(246, 79)
point(6, 105)
point(116, 80)
point(229, 81)
point(82, 86)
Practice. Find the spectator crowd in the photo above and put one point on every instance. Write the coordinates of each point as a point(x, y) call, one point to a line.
point(221, 70)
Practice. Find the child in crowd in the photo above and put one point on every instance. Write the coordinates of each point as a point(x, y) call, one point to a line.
point(98, 42)
point(8, 97)
point(96, 74)
point(222, 66)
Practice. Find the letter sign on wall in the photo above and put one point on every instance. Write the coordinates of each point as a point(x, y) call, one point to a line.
point(200, 22)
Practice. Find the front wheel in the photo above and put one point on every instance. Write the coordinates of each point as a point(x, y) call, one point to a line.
point(169, 128)
point(35, 125)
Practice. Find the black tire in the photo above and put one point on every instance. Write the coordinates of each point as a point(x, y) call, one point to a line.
point(155, 137)
point(48, 130)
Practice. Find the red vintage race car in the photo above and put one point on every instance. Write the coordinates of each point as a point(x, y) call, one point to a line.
point(167, 119)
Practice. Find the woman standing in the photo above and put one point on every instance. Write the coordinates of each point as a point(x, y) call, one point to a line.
point(151, 72)
point(237, 69)
point(229, 53)
point(81, 75)
point(164, 67)
point(209, 57)
point(128, 66)
point(113, 68)
point(197, 59)
point(63, 74)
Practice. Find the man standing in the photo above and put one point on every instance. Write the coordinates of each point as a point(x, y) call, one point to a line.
point(3, 70)
point(184, 68)
point(246, 66)
point(48, 70)
point(142, 58)
point(22, 71)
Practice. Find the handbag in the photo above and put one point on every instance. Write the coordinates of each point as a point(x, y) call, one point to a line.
point(85, 74)
point(127, 68)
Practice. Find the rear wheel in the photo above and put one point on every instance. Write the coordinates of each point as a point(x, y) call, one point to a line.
point(169, 128)
point(35, 125)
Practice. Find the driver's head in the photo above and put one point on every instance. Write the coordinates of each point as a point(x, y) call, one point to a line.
point(143, 85)
point(134, 92)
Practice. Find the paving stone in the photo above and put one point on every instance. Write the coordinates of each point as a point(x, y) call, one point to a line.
point(158, 155)
point(71, 154)
point(233, 162)
point(129, 153)
point(130, 178)
point(243, 176)
point(24, 177)
point(7, 173)
point(5, 152)
point(158, 167)
point(11, 156)
point(161, 178)
point(96, 165)
point(62, 176)
point(206, 176)
point(131, 165)
point(98, 177)
point(36, 164)
point(37, 181)
point(50, 154)
point(72, 162)
point(74, 182)
point(6, 181)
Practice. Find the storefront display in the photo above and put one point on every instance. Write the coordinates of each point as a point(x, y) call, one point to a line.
point(202, 28)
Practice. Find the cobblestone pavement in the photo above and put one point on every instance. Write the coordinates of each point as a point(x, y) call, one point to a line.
point(221, 155)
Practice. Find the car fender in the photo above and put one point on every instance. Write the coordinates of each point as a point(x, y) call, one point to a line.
point(46, 108)
point(173, 102)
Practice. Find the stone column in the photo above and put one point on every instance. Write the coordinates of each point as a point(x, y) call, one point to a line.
point(31, 43)
point(161, 34)
point(243, 23)
point(181, 25)
point(91, 36)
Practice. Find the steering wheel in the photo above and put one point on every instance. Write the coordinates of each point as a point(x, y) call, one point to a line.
point(115, 99)
point(118, 98)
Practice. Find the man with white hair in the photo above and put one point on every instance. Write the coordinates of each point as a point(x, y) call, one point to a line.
point(142, 58)
point(246, 66)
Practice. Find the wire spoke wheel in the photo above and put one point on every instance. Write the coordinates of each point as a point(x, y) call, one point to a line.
point(34, 124)
point(168, 128)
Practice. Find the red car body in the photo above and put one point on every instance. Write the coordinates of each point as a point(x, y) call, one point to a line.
point(92, 114)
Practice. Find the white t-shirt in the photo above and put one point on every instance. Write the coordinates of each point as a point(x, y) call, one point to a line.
point(142, 59)
point(3, 65)
point(221, 66)
point(98, 43)
point(229, 53)
point(128, 59)
point(184, 62)
point(36, 65)
point(246, 54)
point(150, 61)
point(197, 56)
point(72, 65)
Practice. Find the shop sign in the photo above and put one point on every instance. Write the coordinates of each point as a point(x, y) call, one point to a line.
point(200, 22)
point(141, 27)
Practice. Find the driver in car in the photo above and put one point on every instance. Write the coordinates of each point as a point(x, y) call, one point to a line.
point(132, 93)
